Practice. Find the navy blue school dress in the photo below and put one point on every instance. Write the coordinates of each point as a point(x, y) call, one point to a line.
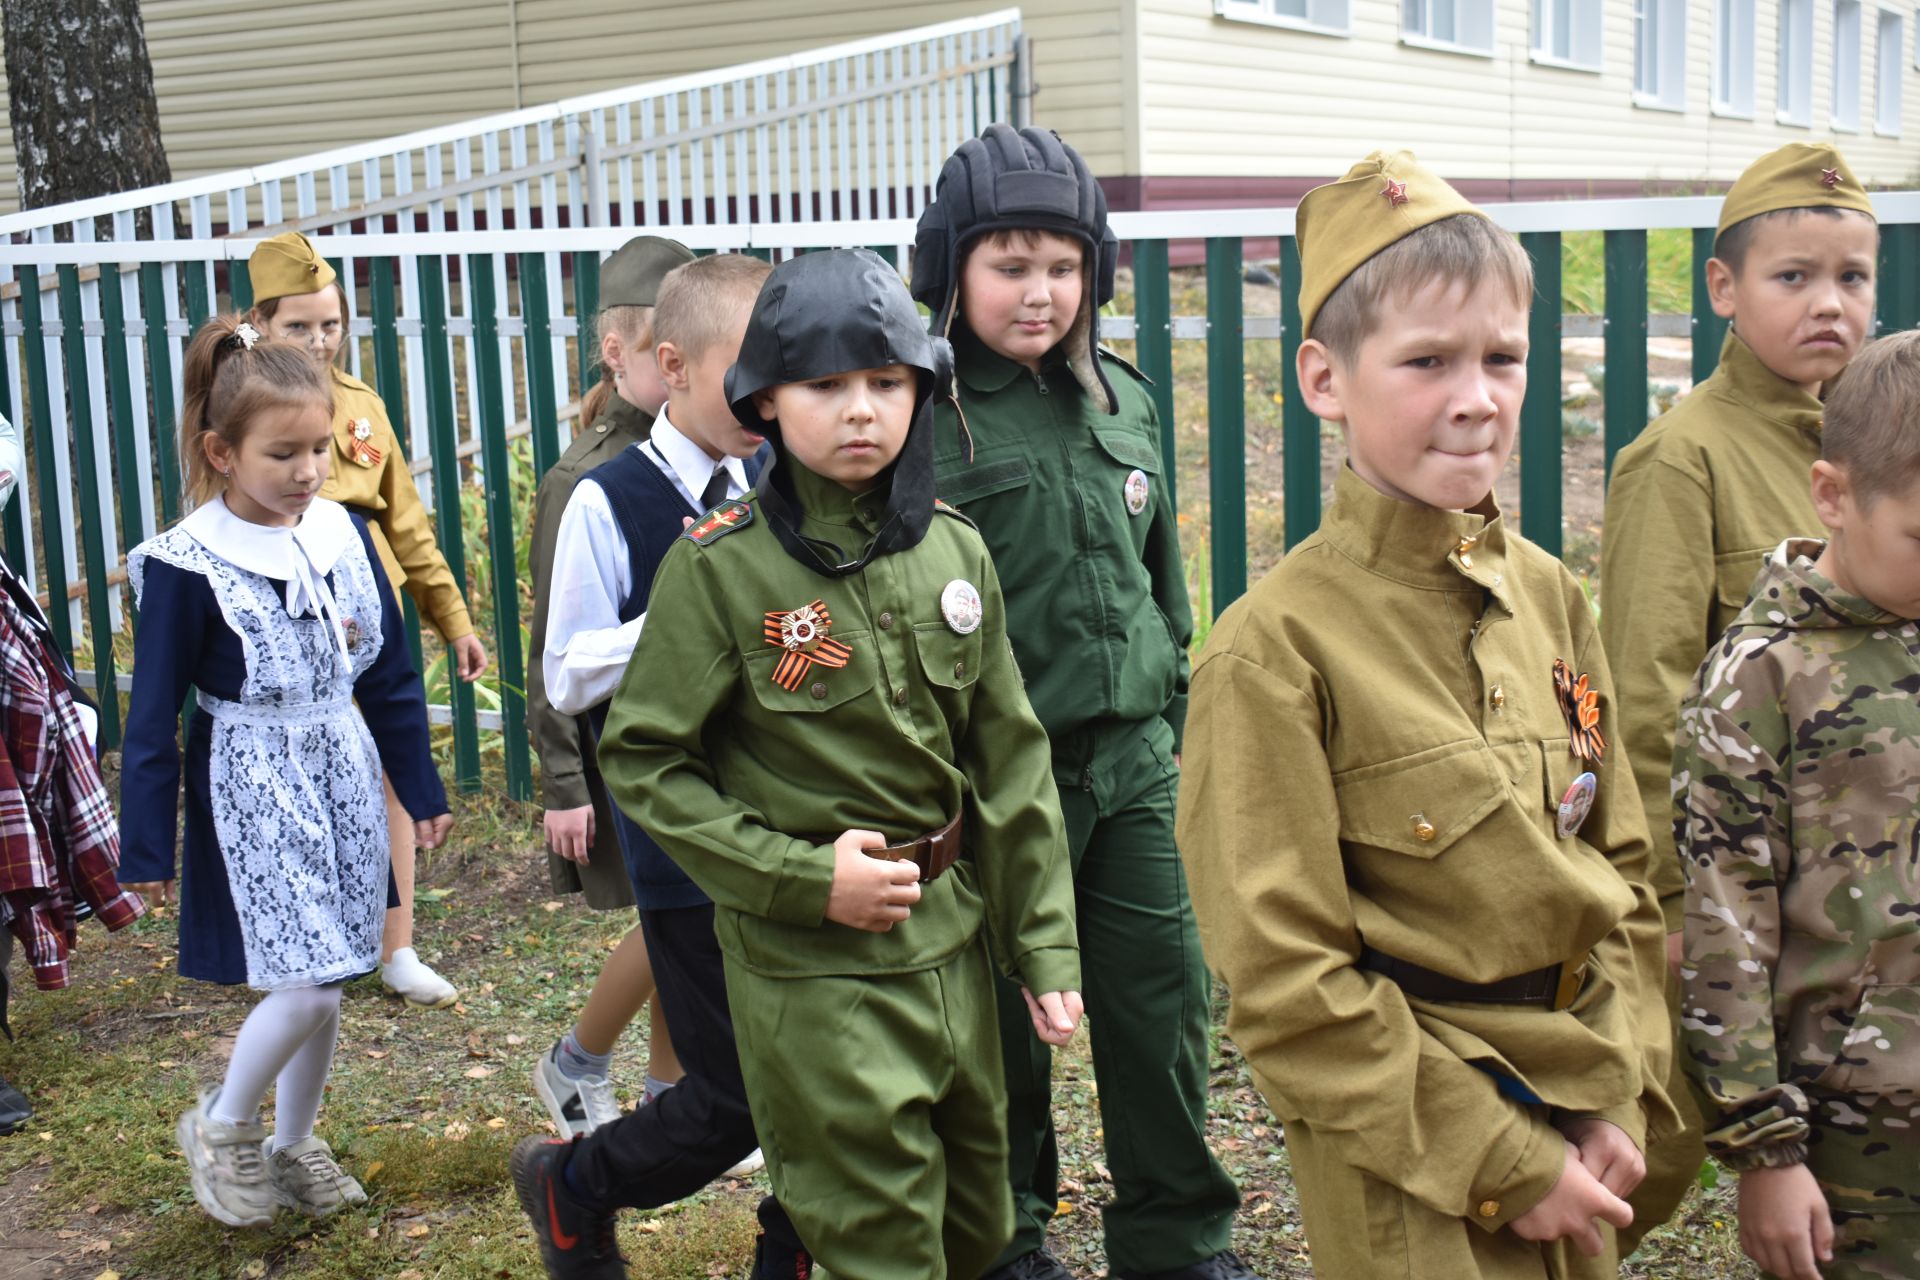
point(285, 872)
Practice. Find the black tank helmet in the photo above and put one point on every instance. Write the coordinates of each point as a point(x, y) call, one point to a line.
point(1004, 180)
point(826, 313)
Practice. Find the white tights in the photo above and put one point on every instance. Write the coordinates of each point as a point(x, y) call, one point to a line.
point(289, 1035)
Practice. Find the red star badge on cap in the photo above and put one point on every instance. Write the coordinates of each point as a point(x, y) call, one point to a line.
point(1829, 178)
point(1395, 192)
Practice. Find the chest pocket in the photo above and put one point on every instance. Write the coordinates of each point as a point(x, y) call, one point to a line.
point(1129, 448)
point(1419, 805)
point(1733, 575)
point(948, 659)
point(959, 483)
point(821, 688)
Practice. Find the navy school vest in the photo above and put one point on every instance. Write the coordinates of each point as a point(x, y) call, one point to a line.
point(648, 510)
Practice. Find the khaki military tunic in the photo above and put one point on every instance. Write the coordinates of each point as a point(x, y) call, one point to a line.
point(569, 777)
point(1375, 753)
point(1694, 506)
point(384, 493)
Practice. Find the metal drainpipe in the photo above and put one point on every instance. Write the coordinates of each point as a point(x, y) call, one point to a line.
point(1024, 88)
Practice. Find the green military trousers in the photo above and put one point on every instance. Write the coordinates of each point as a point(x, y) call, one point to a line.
point(1146, 996)
point(1360, 1228)
point(878, 1103)
point(1673, 1162)
point(1865, 1152)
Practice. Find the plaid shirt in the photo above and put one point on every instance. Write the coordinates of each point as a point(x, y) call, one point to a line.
point(58, 838)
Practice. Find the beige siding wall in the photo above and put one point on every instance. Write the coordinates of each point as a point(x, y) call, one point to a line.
point(1224, 98)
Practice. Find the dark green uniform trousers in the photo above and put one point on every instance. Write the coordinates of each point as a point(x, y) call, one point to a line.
point(1673, 1162)
point(878, 1103)
point(1146, 995)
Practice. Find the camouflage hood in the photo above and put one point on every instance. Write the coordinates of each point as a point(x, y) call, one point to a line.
point(1791, 593)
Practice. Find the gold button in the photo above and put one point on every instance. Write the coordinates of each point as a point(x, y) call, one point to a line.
point(1489, 1208)
point(1498, 697)
point(900, 697)
point(886, 621)
point(1466, 561)
point(819, 690)
point(1467, 544)
point(1422, 829)
point(959, 669)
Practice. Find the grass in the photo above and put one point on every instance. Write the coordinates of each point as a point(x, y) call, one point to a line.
point(1583, 281)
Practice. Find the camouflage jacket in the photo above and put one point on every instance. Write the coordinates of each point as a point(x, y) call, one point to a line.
point(1796, 783)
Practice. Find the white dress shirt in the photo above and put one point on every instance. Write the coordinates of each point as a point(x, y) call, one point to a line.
point(587, 644)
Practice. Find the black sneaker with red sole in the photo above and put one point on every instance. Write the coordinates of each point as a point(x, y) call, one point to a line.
point(576, 1243)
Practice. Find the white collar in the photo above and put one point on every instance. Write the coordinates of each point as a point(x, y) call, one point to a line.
point(300, 555)
point(690, 463)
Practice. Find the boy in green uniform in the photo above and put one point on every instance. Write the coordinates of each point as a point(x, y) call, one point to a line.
point(1053, 448)
point(1801, 1012)
point(824, 727)
point(1415, 861)
point(1697, 502)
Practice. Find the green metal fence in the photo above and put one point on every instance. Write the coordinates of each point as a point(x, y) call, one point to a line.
point(91, 337)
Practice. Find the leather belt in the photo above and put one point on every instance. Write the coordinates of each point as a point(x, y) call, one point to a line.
point(933, 853)
point(1554, 987)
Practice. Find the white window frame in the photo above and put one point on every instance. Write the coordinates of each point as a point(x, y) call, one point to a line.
point(1844, 68)
point(1889, 66)
point(1585, 43)
point(1793, 87)
point(1734, 56)
point(1667, 20)
point(1474, 24)
point(1324, 17)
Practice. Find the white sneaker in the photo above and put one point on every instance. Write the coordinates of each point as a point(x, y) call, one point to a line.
point(307, 1178)
point(748, 1167)
point(229, 1172)
point(408, 976)
point(577, 1107)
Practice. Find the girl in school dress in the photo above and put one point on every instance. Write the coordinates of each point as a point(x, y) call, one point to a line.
point(266, 603)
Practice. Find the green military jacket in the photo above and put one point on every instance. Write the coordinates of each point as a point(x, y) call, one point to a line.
point(747, 784)
point(1694, 506)
point(1802, 964)
point(1074, 504)
point(563, 741)
point(1375, 753)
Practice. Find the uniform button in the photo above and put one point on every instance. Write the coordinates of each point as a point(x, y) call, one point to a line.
point(819, 689)
point(1465, 551)
point(601, 428)
point(1498, 697)
point(900, 697)
point(1422, 829)
point(886, 621)
point(1489, 1208)
point(959, 669)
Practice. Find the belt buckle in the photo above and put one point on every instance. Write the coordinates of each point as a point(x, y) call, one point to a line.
point(1572, 978)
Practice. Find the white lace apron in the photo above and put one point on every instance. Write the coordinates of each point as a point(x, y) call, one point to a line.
point(297, 799)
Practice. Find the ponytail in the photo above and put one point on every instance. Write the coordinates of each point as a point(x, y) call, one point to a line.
point(634, 327)
point(231, 375)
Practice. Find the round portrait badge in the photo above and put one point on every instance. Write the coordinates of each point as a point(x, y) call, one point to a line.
point(960, 606)
point(1136, 491)
point(1576, 804)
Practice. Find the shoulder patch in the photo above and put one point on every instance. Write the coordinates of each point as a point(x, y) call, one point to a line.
point(1126, 364)
point(955, 512)
point(718, 523)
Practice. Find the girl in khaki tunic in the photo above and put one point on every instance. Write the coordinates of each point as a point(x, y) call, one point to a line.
point(297, 298)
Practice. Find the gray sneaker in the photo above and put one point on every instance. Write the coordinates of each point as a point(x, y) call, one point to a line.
point(306, 1178)
point(577, 1107)
point(229, 1173)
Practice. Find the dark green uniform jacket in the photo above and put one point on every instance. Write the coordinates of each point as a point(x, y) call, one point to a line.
point(1096, 590)
point(1695, 506)
point(568, 776)
point(747, 784)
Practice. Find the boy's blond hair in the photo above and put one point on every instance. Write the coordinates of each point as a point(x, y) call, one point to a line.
point(1731, 245)
point(701, 302)
point(1872, 427)
point(1463, 249)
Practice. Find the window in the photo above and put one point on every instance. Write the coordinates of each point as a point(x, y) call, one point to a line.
point(1846, 64)
point(1733, 58)
point(1566, 33)
point(1329, 17)
point(1887, 71)
point(1660, 54)
point(1464, 26)
point(1796, 62)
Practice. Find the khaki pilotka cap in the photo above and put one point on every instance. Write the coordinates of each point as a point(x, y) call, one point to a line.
point(1382, 200)
point(1800, 175)
point(631, 275)
point(287, 265)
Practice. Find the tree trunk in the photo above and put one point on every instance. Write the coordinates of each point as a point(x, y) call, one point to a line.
point(80, 91)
